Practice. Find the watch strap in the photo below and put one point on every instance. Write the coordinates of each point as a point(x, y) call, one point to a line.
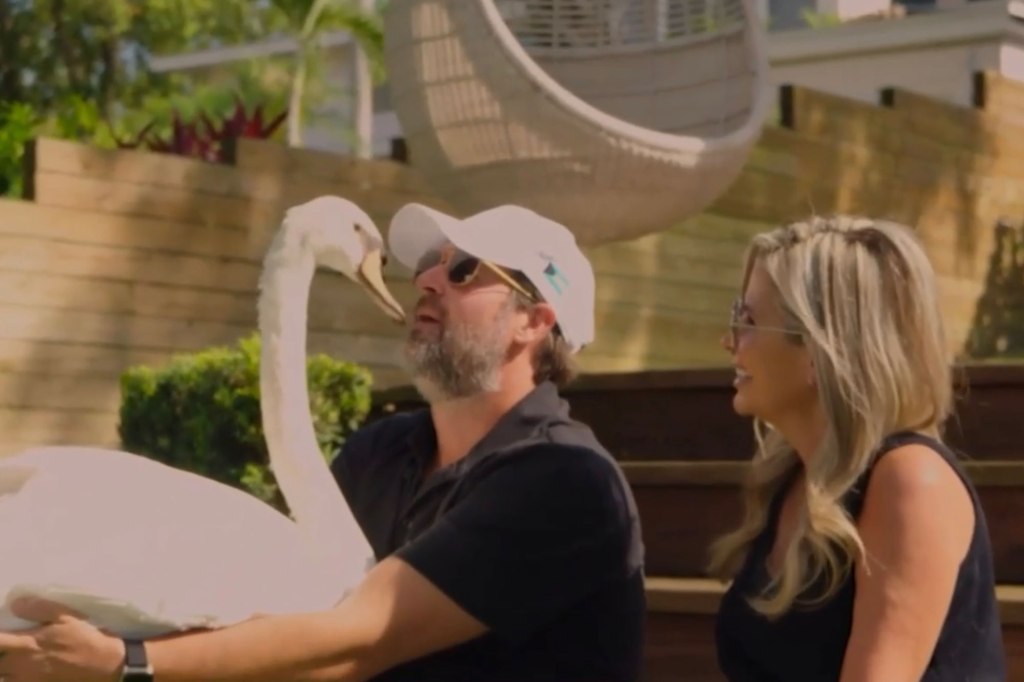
point(136, 662)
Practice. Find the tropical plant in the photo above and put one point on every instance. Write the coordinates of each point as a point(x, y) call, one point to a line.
point(310, 21)
point(202, 137)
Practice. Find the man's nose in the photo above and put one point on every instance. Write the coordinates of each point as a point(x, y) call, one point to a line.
point(431, 280)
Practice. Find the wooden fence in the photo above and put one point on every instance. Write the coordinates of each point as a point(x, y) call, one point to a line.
point(122, 257)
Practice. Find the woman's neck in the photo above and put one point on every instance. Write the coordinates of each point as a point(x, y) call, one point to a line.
point(804, 432)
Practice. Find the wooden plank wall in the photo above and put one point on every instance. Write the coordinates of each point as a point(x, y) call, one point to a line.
point(117, 258)
point(952, 173)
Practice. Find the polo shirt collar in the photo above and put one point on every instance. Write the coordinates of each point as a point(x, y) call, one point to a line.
point(539, 407)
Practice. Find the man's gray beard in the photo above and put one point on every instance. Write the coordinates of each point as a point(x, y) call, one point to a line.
point(465, 361)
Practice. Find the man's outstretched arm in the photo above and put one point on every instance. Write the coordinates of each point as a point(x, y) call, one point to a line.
point(394, 616)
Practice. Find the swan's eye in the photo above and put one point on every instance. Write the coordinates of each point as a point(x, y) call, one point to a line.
point(383, 259)
point(359, 228)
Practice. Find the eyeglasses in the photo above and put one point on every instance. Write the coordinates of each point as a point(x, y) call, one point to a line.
point(735, 325)
point(462, 268)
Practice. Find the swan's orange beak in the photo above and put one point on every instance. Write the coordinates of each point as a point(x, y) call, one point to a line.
point(371, 276)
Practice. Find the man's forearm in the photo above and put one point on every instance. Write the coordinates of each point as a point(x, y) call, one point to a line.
point(394, 616)
point(313, 647)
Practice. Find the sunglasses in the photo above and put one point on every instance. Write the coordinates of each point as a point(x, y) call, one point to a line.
point(462, 268)
point(735, 325)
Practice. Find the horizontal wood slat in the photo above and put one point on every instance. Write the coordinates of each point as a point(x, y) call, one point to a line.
point(335, 303)
point(60, 427)
point(275, 159)
point(257, 173)
point(155, 201)
point(156, 333)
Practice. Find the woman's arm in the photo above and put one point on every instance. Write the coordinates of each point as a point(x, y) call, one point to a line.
point(916, 524)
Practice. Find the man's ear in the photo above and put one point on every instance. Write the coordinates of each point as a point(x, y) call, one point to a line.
point(538, 321)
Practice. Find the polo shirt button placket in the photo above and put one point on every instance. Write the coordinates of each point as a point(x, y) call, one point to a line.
point(407, 524)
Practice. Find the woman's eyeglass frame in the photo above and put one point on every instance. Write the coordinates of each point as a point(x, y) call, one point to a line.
point(735, 325)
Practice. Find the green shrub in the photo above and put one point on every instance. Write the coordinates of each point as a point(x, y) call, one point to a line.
point(201, 413)
point(17, 127)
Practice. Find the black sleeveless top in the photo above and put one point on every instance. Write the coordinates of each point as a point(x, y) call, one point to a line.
point(807, 644)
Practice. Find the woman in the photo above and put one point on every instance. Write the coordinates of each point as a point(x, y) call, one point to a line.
point(863, 555)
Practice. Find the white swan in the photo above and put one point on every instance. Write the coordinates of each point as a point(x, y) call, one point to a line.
point(142, 549)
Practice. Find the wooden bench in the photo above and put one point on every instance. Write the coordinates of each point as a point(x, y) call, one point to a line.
point(681, 621)
point(684, 506)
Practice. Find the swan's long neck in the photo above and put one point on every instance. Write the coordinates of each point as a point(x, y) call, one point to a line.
point(305, 479)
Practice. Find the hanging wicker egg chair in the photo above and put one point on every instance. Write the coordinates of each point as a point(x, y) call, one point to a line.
point(618, 118)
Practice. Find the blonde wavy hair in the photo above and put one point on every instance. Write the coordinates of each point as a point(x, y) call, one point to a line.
point(861, 294)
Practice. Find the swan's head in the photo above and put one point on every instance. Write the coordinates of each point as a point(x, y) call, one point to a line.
point(344, 238)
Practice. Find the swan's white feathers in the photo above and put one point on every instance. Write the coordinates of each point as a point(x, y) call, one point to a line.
point(141, 548)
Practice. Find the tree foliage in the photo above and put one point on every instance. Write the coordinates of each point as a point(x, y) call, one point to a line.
point(998, 326)
point(58, 54)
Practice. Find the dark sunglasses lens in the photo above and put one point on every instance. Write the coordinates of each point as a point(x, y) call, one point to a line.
point(463, 269)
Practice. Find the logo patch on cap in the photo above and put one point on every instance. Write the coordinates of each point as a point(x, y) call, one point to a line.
point(555, 277)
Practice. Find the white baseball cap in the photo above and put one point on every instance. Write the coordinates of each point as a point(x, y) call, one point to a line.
point(515, 238)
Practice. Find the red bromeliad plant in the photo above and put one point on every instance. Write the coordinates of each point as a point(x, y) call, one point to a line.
point(205, 138)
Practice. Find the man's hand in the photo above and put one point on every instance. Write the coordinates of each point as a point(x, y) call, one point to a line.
point(63, 649)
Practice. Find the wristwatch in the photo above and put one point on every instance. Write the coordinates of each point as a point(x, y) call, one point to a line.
point(136, 663)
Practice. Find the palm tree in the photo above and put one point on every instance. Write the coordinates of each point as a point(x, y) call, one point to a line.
point(311, 20)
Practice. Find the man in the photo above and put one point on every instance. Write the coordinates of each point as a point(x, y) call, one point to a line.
point(508, 541)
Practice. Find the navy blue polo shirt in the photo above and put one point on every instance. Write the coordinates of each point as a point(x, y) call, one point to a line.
point(534, 532)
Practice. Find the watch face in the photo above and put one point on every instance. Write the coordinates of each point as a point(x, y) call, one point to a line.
point(137, 677)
